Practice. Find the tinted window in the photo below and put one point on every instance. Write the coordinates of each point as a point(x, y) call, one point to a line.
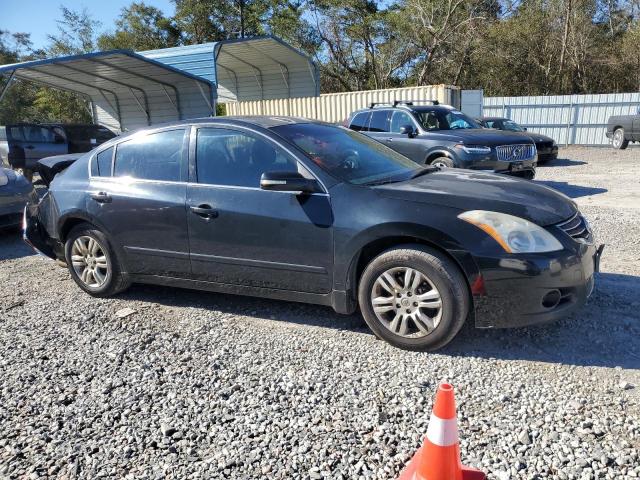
point(400, 119)
point(231, 157)
point(511, 126)
point(349, 156)
point(36, 134)
point(88, 132)
point(360, 121)
point(157, 156)
point(445, 120)
point(103, 163)
point(379, 121)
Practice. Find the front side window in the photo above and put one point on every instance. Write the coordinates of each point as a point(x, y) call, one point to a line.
point(157, 156)
point(379, 121)
point(349, 156)
point(234, 158)
point(445, 120)
point(359, 122)
point(398, 120)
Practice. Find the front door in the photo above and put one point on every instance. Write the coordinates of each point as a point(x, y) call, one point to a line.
point(138, 195)
point(242, 235)
point(401, 142)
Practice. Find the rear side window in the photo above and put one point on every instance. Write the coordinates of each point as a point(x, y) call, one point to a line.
point(379, 121)
point(157, 156)
point(101, 166)
point(359, 122)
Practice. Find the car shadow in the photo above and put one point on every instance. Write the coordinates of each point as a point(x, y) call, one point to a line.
point(561, 162)
point(11, 244)
point(605, 333)
point(573, 191)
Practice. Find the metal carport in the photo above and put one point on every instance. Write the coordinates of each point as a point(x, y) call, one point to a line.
point(257, 68)
point(126, 90)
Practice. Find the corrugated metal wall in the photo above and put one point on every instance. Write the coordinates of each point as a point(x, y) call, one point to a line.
point(568, 119)
point(335, 107)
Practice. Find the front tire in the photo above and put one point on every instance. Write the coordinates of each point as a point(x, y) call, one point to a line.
point(92, 262)
point(618, 141)
point(414, 298)
point(442, 162)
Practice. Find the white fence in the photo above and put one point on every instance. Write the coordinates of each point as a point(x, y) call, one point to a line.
point(569, 119)
point(336, 107)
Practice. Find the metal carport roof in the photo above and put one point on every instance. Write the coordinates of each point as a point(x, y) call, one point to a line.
point(254, 68)
point(126, 90)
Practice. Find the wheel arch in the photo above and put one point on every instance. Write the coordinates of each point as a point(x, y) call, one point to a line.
point(432, 155)
point(404, 236)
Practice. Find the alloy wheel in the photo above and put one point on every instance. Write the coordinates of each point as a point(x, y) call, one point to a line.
point(617, 138)
point(89, 261)
point(406, 302)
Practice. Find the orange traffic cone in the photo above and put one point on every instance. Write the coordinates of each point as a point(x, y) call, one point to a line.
point(439, 456)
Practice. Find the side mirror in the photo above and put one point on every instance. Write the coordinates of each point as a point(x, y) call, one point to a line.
point(407, 130)
point(524, 128)
point(288, 182)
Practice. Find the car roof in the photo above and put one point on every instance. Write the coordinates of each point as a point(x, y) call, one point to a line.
point(405, 107)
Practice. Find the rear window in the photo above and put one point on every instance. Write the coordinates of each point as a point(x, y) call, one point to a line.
point(359, 122)
point(103, 163)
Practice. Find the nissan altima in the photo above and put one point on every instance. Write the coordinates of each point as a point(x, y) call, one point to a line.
point(298, 210)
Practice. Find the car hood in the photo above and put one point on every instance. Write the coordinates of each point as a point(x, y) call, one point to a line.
point(485, 136)
point(471, 190)
point(536, 137)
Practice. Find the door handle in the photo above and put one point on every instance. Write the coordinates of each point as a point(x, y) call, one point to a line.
point(101, 197)
point(205, 211)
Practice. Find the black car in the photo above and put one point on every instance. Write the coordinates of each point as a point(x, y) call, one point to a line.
point(622, 129)
point(546, 146)
point(300, 210)
point(30, 142)
point(442, 136)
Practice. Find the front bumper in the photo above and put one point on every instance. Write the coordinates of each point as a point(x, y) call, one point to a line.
point(524, 290)
point(521, 168)
point(12, 204)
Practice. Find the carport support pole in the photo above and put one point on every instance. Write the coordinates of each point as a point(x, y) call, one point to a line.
point(7, 85)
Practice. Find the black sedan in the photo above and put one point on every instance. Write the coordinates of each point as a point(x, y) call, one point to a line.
point(303, 211)
point(546, 146)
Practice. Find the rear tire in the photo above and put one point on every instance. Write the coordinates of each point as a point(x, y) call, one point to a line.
point(618, 141)
point(420, 311)
point(442, 162)
point(92, 262)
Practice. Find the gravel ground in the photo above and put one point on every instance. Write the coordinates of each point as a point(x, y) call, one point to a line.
point(197, 385)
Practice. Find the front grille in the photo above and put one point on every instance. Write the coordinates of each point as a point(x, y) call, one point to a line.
point(515, 153)
point(576, 227)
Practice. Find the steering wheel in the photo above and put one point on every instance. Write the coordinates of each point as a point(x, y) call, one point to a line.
point(350, 160)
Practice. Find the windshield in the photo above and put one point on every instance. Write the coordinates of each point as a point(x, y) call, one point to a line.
point(348, 155)
point(80, 133)
point(441, 119)
point(511, 126)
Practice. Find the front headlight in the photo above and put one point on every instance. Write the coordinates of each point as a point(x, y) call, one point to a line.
point(476, 149)
point(514, 234)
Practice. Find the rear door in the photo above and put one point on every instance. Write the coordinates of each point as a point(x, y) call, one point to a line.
point(138, 194)
point(29, 143)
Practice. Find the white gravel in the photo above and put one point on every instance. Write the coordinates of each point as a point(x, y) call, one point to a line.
point(197, 385)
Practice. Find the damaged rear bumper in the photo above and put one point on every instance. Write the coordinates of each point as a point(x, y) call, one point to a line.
point(34, 233)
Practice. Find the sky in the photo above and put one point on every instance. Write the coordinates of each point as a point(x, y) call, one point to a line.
point(38, 17)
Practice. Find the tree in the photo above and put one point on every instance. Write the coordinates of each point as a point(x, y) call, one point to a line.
point(141, 27)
